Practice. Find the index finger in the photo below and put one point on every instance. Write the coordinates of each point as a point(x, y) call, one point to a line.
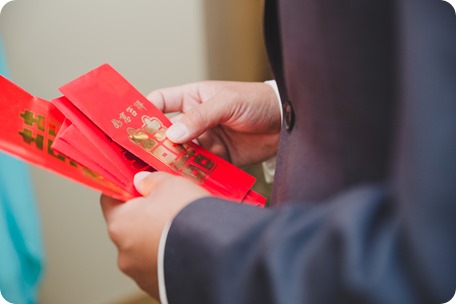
point(176, 99)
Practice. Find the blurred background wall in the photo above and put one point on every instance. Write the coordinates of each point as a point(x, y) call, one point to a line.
point(153, 43)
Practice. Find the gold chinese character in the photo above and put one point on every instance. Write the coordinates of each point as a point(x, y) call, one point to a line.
point(117, 123)
point(124, 117)
point(139, 105)
point(164, 155)
point(29, 119)
point(151, 125)
point(132, 111)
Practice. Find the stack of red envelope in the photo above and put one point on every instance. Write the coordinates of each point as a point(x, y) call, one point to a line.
point(102, 131)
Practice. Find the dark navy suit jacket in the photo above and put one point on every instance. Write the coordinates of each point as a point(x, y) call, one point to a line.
point(364, 199)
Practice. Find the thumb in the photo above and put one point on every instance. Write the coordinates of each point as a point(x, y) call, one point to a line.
point(198, 120)
point(146, 182)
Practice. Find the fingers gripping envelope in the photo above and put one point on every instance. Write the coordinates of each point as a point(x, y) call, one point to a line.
point(102, 131)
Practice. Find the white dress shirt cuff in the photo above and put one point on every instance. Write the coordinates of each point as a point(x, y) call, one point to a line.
point(270, 164)
point(274, 86)
point(161, 264)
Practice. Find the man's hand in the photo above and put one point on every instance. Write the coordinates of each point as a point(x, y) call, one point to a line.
point(235, 120)
point(136, 226)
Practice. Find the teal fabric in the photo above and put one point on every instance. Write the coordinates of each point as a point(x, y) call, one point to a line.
point(21, 252)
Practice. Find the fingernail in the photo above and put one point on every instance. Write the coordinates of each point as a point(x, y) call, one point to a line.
point(177, 131)
point(140, 176)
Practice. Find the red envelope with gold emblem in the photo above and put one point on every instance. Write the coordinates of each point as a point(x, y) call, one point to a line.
point(107, 131)
point(29, 127)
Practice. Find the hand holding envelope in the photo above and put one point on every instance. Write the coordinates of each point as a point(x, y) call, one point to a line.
point(102, 132)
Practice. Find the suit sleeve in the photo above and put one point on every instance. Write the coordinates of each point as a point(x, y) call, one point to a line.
point(386, 243)
point(349, 250)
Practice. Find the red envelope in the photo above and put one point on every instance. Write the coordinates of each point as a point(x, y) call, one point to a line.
point(67, 130)
point(105, 132)
point(28, 131)
point(129, 119)
point(105, 152)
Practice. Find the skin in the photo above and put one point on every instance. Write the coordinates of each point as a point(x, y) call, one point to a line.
point(237, 121)
point(135, 227)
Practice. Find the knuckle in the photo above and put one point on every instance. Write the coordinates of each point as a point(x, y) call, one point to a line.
point(124, 264)
point(104, 199)
point(115, 232)
point(232, 94)
point(195, 117)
